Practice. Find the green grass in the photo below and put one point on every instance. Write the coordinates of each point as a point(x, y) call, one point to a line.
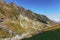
point(48, 35)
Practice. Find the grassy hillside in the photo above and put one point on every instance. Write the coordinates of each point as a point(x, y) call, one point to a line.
point(49, 35)
point(15, 20)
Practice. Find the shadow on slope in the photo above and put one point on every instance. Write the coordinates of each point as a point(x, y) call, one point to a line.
point(49, 35)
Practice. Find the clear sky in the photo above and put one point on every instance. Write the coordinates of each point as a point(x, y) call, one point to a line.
point(50, 8)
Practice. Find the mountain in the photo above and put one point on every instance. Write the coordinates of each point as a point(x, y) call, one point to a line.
point(18, 23)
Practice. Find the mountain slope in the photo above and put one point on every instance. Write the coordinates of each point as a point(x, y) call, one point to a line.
point(20, 23)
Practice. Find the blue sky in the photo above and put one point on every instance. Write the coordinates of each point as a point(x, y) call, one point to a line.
point(50, 8)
